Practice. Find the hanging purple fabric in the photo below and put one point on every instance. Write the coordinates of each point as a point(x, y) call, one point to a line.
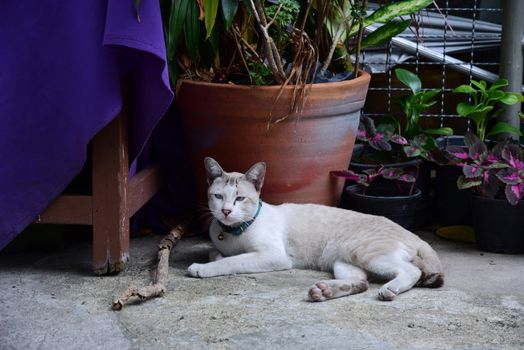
point(61, 63)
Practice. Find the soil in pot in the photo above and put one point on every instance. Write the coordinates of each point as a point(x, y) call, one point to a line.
point(384, 200)
point(499, 226)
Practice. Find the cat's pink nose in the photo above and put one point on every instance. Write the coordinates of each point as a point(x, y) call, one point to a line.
point(226, 212)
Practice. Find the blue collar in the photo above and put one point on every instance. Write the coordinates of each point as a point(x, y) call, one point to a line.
point(238, 230)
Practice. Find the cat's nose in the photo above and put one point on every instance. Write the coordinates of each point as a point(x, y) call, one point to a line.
point(226, 212)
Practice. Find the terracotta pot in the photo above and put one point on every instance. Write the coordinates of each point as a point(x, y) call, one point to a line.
point(229, 123)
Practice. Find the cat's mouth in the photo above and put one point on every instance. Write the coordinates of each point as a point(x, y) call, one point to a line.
point(229, 221)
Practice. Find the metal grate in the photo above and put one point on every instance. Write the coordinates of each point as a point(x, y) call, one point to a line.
point(455, 41)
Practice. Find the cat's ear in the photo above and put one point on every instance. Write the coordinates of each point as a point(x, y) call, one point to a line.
point(256, 174)
point(213, 169)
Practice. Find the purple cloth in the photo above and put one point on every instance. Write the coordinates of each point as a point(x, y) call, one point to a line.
point(61, 63)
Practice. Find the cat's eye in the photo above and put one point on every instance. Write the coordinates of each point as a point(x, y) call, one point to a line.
point(218, 196)
point(240, 199)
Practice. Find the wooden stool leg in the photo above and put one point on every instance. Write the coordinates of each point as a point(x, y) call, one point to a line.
point(110, 212)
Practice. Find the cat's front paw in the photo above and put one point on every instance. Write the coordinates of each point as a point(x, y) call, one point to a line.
point(200, 270)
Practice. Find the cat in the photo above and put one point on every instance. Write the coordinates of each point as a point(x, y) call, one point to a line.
point(251, 236)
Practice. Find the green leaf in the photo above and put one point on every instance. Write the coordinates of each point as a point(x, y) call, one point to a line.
point(464, 89)
point(385, 14)
point(495, 95)
point(517, 95)
point(173, 72)
point(208, 50)
point(480, 84)
point(165, 10)
point(481, 109)
point(498, 84)
point(428, 95)
point(229, 10)
point(462, 183)
point(464, 109)
point(210, 15)
point(192, 31)
point(509, 99)
point(384, 33)
point(501, 127)
point(440, 131)
point(177, 20)
point(214, 39)
point(411, 151)
point(409, 79)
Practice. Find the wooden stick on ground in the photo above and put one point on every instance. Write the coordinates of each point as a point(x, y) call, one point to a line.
point(162, 272)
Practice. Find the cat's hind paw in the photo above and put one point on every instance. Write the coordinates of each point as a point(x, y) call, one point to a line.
point(330, 289)
point(320, 291)
point(386, 294)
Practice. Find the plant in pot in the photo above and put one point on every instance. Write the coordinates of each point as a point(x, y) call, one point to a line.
point(482, 109)
point(495, 180)
point(401, 141)
point(393, 145)
point(303, 120)
point(384, 191)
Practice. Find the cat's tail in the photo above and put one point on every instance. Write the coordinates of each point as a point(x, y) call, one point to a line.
point(428, 262)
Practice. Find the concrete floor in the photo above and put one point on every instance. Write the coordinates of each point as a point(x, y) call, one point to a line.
point(51, 301)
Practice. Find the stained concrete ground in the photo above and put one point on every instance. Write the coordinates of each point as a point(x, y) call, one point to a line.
point(51, 301)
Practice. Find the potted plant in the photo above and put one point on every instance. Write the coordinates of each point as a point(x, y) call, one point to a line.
point(495, 179)
point(303, 119)
point(395, 197)
point(392, 145)
point(482, 109)
point(402, 142)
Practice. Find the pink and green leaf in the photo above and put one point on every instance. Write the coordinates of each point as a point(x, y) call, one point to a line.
point(463, 183)
point(514, 193)
point(347, 174)
point(399, 139)
point(509, 177)
point(472, 171)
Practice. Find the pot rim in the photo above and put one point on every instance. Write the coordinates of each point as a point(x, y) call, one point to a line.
point(359, 147)
point(362, 78)
point(404, 164)
point(417, 193)
point(496, 200)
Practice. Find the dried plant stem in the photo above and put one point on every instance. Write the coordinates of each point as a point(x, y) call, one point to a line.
point(244, 42)
point(241, 53)
point(273, 57)
point(360, 34)
point(162, 273)
point(334, 44)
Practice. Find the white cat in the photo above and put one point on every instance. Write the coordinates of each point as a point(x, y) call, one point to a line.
point(251, 236)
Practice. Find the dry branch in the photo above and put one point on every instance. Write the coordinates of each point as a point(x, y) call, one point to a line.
point(272, 55)
point(159, 287)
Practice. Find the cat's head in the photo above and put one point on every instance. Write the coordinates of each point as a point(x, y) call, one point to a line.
point(233, 197)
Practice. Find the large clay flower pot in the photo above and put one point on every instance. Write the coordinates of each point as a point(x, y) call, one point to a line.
point(229, 123)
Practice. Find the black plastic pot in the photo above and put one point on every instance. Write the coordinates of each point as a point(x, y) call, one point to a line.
point(383, 200)
point(451, 204)
point(499, 226)
point(423, 213)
